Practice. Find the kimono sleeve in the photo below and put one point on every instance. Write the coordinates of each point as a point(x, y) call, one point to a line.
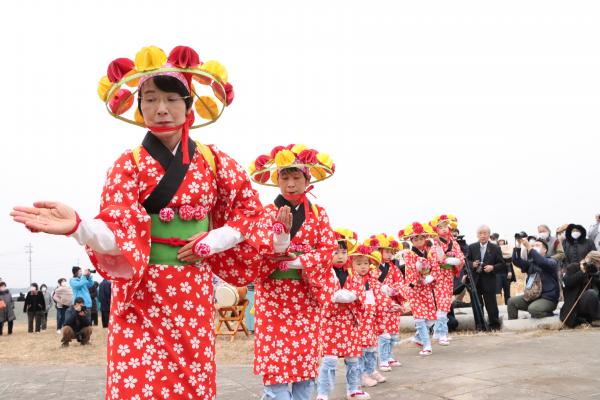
point(130, 223)
point(239, 207)
point(317, 262)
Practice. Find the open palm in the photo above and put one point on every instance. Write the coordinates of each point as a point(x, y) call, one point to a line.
point(46, 216)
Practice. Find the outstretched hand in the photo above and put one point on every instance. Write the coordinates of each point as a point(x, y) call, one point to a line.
point(46, 216)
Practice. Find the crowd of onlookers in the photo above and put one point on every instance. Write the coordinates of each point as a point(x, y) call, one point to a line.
point(77, 301)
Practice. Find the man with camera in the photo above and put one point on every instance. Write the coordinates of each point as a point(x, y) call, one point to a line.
point(81, 283)
point(533, 260)
point(581, 288)
point(486, 261)
point(77, 324)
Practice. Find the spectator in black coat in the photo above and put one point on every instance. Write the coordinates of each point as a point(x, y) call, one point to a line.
point(576, 245)
point(34, 307)
point(7, 313)
point(94, 310)
point(537, 262)
point(77, 324)
point(486, 261)
point(104, 297)
point(577, 278)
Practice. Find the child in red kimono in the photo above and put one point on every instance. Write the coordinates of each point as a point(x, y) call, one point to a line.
point(420, 270)
point(173, 212)
point(288, 301)
point(339, 325)
point(450, 258)
point(392, 285)
point(376, 307)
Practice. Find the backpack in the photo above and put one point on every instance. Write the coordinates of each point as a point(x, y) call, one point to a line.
point(533, 287)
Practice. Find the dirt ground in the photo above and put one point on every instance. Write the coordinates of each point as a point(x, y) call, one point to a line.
point(31, 348)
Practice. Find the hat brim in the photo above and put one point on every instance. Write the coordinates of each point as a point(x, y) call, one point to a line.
point(271, 167)
point(130, 80)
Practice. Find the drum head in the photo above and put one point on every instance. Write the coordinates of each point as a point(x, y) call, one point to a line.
point(226, 295)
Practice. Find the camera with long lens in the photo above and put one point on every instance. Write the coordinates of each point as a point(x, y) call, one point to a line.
point(591, 269)
point(521, 235)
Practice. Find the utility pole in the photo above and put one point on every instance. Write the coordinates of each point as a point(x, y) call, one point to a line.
point(29, 250)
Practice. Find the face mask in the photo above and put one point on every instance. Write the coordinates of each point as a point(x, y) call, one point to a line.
point(44, 289)
point(544, 235)
point(575, 235)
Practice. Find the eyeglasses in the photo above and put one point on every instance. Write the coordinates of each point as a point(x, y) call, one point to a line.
point(153, 101)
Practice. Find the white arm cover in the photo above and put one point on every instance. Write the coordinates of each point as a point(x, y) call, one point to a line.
point(452, 261)
point(222, 239)
point(343, 296)
point(281, 242)
point(295, 264)
point(95, 233)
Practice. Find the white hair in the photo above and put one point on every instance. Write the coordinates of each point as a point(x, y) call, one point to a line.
point(484, 227)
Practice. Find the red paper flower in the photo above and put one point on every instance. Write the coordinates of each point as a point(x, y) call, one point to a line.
point(394, 244)
point(308, 156)
point(118, 68)
point(184, 57)
point(121, 102)
point(201, 249)
point(229, 93)
point(278, 228)
point(417, 228)
point(186, 212)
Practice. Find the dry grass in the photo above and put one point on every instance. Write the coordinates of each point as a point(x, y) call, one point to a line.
point(44, 348)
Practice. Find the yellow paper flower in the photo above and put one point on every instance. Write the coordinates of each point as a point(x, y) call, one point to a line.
point(216, 69)
point(137, 116)
point(318, 173)
point(284, 158)
point(377, 256)
point(207, 108)
point(133, 82)
point(275, 177)
point(298, 148)
point(149, 58)
point(325, 159)
point(103, 87)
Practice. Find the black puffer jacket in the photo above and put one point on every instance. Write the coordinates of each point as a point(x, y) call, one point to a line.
point(576, 250)
point(574, 282)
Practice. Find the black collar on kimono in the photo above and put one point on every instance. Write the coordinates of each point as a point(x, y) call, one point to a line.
point(384, 268)
point(341, 274)
point(419, 252)
point(298, 216)
point(175, 172)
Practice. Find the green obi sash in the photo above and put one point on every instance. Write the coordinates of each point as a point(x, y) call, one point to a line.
point(177, 228)
point(446, 266)
point(291, 274)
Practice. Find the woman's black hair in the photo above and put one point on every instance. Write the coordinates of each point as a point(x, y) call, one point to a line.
point(43, 285)
point(342, 244)
point(35, 285)
point(169, 84)
point(61, 280)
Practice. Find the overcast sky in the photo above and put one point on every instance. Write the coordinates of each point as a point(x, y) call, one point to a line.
point(488, 110)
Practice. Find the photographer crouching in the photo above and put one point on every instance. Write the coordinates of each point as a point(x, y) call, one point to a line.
point(77, 324)
point(581, 290)
point(541, 291)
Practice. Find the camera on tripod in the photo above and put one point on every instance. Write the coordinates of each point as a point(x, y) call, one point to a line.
point(521, 235)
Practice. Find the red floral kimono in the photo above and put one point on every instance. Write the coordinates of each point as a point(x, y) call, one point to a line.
point(375, 316)
point(390, 322)
point(161, 339)
point(287, 305)
point(444, 279)
point(339, 323)
point(420, 294)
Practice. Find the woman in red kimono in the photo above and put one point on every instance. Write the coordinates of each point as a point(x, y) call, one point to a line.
point(288, 301)
point(420, 271)
point(339, 323)
point(172, 213)
point(450, 258)
point(392, 282)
